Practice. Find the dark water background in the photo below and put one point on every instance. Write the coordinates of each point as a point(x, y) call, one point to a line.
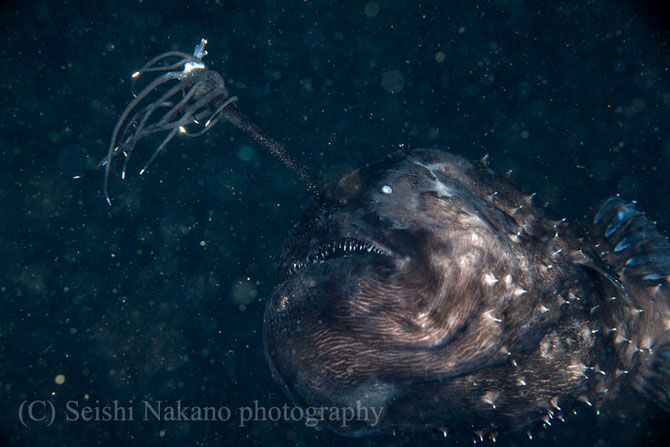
point(160, 297)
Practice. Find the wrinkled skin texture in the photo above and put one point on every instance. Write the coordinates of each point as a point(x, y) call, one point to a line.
point(444, 296)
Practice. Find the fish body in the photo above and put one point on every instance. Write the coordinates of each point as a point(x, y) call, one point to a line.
point(436, 292)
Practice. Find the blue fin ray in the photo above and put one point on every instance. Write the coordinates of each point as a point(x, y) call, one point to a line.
point(624, 214)
point(648, 234)
point(608, 206)
point(630, 242)
point(652, 258)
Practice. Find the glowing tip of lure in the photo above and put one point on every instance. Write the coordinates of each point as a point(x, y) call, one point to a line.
point(76, 177)
point(182, 129)
point(143, 169)
point(135, 75)
point(123, 175)
point(109, 202)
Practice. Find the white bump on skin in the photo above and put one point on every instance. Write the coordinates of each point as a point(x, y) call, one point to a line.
point(596, 369)
point(521, 230)
point(519, 291)
point(585, 399)
point(490, 397)
point(646, 343)
point(490, 279)
point(488, 315)
point(578, 369)
point(508, 280)
point(620, 339)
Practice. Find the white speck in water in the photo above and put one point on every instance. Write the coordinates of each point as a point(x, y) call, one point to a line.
point(387, 189)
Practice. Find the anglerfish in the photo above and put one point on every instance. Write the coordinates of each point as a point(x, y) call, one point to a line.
point(423, 291)
point(440, 293)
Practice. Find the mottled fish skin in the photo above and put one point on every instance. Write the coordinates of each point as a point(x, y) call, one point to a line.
point(434, 289)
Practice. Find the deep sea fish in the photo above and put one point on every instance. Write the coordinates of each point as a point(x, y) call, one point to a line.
point(434, 289)
point(424, 292)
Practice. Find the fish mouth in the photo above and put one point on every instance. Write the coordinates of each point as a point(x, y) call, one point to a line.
point(332, 249)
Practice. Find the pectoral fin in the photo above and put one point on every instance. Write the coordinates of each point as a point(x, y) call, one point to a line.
point(630, 242)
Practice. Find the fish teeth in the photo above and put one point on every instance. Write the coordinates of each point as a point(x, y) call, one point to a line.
point(331, 249)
